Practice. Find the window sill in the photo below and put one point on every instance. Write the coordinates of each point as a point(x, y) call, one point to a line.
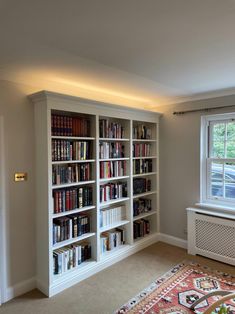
point(221, 208)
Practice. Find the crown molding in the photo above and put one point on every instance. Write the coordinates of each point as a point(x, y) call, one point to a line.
point(201, 96)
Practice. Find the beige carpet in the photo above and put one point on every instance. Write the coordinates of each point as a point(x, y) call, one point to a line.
point(108, 290)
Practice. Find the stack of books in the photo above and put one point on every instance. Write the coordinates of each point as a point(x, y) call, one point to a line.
point(141, 228)
point(110, 129)
point(71, 173)
point(112, 239)
point(112, 191)
point(62, 125)
point(111, 150)
point(68, 227)
point(70, 257)
point(71, 198)
point(112, 215)
point(110, 169)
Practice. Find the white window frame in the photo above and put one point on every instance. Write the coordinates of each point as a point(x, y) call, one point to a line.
point(205, 161)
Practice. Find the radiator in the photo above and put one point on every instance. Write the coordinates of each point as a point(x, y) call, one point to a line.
point(211, 234)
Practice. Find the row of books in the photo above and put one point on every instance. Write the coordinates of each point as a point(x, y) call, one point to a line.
point(70, 257)
point(142, 166)
point(71, 226)
point(110, 169)
point(141, 228)
point(62, 125)
point(142, 131)
point(141, 185)
point(111, 150)
point(72, 198)
point(112, 191)
point(141, 206)
point(112, 215)
point(62, 174)
point(112, 239)
point(110, 129)
point(63, 150)
point(141, 150)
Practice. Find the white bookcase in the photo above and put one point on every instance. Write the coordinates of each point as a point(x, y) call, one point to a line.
point(48, 103)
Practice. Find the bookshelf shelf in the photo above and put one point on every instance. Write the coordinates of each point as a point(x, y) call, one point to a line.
point(143, 140)
point(67, 185)
point(144, 194)
point(73, 138)
point(144, 174)
point(73, 240)
point(146, 157)
point(115, 225)
point(113, 159)
point(113, 179)
point(86, 264)
point(114, 252)
point(150, 213)
point(107, 139)
point(144, 238)
point(73, 211)
point(72, 161)
point(94, 131)
point(115, 201)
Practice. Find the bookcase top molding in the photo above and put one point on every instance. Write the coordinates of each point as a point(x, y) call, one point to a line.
point(45, 95)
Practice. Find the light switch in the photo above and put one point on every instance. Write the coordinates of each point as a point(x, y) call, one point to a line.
point(20, 176)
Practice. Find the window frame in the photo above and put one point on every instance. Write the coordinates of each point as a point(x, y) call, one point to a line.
point(206, 160)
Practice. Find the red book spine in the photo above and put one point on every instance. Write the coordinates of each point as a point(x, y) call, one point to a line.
point(70, 200)
point(56, 202)
point(67, 200)
point(60, 202)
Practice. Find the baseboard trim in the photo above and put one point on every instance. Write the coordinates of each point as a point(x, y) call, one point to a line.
point(20, 288)
point(166, 238)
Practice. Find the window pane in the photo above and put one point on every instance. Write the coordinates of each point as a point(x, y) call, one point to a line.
point(218, 150)
point(217, 179)
point(229, 171)
point(231, 131)
point(218, 132)
point(230, 190)
point(217, 188)
point(230, 149)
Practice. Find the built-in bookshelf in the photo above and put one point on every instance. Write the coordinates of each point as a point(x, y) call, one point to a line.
point(97, 186)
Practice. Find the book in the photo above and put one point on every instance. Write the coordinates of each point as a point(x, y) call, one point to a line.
point(141, 228)
point(141, 185)
point(66, 150)
point(70, 256)
point(112, 191)
point(112, 239)
point(110, 169)
point(112, 215)
point(141, 206)
point(141, 150)
point(142, 166)
point(108, 129)
point(71, 226)
point(142, 131)
point(111, 150)
point(71, 173)
point(63, 125)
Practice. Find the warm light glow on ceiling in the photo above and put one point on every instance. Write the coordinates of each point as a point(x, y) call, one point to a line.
point(74, 84)
point(101, 90)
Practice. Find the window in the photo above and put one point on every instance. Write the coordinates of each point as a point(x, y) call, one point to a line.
point(218, 159)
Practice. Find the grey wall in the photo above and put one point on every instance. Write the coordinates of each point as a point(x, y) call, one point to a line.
point(18, 151)
point(180, 161)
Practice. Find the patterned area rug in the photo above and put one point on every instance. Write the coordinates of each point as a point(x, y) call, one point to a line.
point(175, 291)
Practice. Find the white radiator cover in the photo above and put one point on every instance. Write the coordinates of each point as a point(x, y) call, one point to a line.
point(211, 234)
